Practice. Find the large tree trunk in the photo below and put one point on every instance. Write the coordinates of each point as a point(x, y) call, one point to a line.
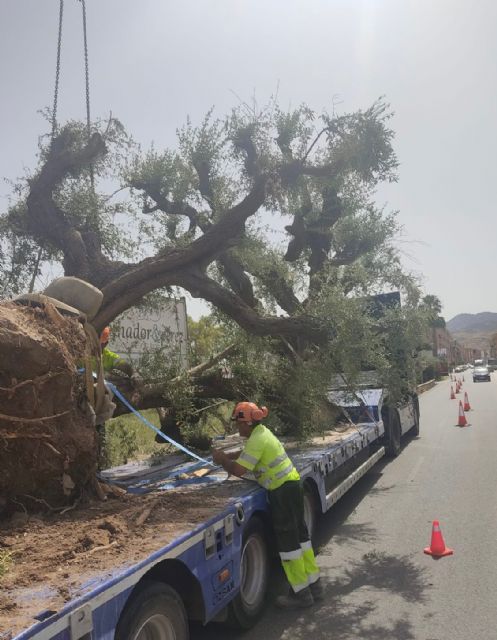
point(47, 439)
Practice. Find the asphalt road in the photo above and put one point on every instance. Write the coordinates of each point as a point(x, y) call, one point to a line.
point(379, 583)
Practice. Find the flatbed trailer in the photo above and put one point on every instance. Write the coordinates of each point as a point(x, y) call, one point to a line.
point(212, 563)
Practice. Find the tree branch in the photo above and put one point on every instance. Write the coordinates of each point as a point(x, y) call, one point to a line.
point(204, 181)
point(313, 144)
point(231, 268)
point(155, 394)
point(164, 204)
point(234, 272)
point(200, 368)
point(166, 270)
point(202, 286)
point(243, 140)
point(47, 220)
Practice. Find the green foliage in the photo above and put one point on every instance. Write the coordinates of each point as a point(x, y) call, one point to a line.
point(207, 337)
point(320, 172)
point(127, 438)
point(23, 257)
point(432, 308)
point(366, 140)
point(402, 335)
point(5, 561)
point(18, 263)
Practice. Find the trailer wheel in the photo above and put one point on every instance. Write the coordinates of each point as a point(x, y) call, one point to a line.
point(155, 613)
point(247, 607)
point(392, 432)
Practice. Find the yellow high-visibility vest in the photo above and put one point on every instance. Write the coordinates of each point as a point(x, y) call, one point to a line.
point(266, 457)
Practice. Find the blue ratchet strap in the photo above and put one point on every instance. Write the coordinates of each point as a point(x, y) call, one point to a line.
point(179, 446)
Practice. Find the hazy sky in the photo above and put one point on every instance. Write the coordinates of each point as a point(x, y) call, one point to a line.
point(152, 62)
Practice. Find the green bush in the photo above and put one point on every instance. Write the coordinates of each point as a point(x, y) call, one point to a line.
point(5, 561)
point(127, 438)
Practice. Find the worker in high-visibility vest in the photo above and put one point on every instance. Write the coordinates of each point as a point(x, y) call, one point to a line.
point(111, 360)
point(265, 456)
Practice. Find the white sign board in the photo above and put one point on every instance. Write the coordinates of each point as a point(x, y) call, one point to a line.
point(140, 331)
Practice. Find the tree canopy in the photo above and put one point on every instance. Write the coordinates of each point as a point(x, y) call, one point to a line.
point(268, 215)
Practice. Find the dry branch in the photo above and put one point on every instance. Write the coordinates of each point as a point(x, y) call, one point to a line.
point(32, 420)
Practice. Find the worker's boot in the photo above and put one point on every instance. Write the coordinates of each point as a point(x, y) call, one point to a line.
point(300, 600)
point(317, 590)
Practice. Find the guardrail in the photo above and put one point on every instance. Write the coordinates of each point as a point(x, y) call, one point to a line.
point(421, 388)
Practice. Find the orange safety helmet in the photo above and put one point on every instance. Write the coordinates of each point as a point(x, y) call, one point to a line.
point(249, 412)
point(105, 335)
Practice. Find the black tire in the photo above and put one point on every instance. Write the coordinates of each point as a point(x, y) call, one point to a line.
point(156, 612)
point(247, 607)
point(415, 428)
point(392, 432)
point(311, 513)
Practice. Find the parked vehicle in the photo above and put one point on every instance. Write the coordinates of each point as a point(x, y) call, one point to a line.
point(492, 364)
point(481, 374)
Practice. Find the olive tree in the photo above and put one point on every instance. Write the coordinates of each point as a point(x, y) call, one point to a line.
point(268, 215)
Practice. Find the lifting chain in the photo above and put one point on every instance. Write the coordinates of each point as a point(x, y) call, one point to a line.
point(57, 72)
point(87, 86)
point(87, 72)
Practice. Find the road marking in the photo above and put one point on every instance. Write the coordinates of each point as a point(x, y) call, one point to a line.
point(414, 472)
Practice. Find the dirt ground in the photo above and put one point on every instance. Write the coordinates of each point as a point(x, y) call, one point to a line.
point(53, 555)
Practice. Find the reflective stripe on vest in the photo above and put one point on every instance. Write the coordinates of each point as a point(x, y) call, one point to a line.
point(284, 472)
point(278, 460)
point(248, 458)
point(265, 456)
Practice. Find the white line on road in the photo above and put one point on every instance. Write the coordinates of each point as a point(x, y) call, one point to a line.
point(414, 472)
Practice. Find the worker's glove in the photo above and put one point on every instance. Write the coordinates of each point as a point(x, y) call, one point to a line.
point(218, 456)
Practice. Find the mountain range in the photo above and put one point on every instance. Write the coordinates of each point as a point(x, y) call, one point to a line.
point(473, 329)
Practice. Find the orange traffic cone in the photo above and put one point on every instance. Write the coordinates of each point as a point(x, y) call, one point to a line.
point(467, 406)
point(462, 422)
point(437, 547)
point(463, 378)
point(457, 388)
point(452, 394)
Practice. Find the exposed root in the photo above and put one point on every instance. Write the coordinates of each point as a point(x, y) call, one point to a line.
point(36, 382)
point(32, 420)
point(52, 448)
point(42, 501)
point(142, 517)
point(73, 506)
point(102, 548)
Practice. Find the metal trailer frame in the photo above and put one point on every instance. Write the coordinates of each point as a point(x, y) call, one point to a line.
point(210, 554)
